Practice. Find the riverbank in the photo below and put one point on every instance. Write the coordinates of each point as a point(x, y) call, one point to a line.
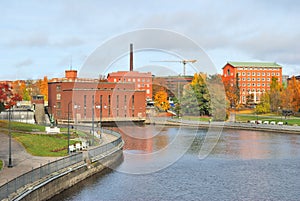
point(27, 178)
point(228, 125)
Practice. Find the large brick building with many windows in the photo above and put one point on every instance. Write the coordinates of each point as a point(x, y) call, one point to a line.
point(253, 78)
point(141, 80)
point(85, 98)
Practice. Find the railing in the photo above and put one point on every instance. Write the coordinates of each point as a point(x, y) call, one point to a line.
point(101, 151)
point(38, 173)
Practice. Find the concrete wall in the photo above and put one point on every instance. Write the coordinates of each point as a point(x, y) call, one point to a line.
point(64, 182)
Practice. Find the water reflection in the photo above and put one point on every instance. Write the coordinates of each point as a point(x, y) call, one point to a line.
point(239, 144)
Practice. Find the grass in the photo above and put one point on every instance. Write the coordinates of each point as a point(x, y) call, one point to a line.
point(196, 118)
point(1, 165)
point(44, 145)
point(53, 145)
point(267, 117)
point(18, 126)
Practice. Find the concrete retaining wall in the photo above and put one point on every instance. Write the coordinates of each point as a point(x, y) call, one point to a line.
point(51, 188)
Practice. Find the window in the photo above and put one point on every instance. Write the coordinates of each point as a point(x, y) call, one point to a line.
point(243, 73)
point(248, 79)
point(133, 80)
point(253, 84)
point(244, 79)
point(263, 84)
point(58, 96)
point(253, 79)
point(58, 105)
point(263, 79)
point(263, 74)
point(268, 74)
point(244, 84)
point(84, 106)
point(253, 74)
point(148, 91)
point(115, 80)
point(258, 84)
point(248, 74)
point(249, 85)
point(268, 79)
point(129, 80)
point(58, 87)
point(258, 74)
point(258, 79)
point(138, 80)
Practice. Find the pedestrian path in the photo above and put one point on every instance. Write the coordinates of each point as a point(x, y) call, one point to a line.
point(24, 162)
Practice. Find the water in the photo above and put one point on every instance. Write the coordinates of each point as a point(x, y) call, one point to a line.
point(244, 165)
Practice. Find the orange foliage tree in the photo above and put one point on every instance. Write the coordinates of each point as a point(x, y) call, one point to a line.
point(161, 100)
point(7, 97)
point(291, 95)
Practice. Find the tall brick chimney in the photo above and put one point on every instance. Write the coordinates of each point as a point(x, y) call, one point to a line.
point(131, 57)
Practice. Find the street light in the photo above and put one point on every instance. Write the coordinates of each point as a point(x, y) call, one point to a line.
point(10, 165)
point(69, 126)
point(100, 116)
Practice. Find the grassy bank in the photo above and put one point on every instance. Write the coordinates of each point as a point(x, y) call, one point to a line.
point(1, 165)
point(269, 117)
point(54, 145)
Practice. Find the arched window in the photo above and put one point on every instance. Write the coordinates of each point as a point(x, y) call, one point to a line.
point(228, 72)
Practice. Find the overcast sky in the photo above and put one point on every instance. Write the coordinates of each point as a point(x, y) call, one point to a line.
point(41, 38)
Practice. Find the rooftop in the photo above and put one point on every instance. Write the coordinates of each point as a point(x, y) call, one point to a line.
point(254, 64)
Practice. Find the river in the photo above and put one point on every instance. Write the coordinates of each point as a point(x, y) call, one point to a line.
point(163, 163)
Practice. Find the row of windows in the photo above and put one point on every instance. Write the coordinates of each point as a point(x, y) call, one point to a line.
point(261, 68)
point(254, 84)
point(258, 74)
point(253, 90)
point(132, 79)
point(256, 79)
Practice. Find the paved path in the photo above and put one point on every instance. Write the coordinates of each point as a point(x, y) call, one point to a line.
point(23, 161)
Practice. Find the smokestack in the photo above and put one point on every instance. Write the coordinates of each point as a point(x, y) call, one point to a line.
point(131, 57)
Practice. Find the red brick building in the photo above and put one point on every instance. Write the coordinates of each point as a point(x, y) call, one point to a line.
point(252, 77)
point(111, 101)
point(142, 81)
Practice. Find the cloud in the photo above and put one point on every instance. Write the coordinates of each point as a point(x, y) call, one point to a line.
point(38, 40)
point(26, 62)
point(69, 42)
point(43, 40)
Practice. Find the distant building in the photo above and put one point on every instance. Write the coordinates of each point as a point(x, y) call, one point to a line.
point(253, 78)
point(173, 84)
point(142, 81)
point(82, 97)
point(297, 77)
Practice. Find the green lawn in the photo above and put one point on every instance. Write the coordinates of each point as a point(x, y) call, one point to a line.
point(41, 144)
point(1, 165)
point(18, 126)
point(44, 145)
point(269, 117)
point(196, 118)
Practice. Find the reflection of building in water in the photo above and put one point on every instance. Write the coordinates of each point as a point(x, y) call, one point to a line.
point(142, 139)
point(252, 145)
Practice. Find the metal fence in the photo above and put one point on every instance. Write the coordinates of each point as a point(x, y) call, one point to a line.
point(101, 150)
point(38, 173)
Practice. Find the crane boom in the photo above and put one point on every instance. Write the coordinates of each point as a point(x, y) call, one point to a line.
point(181, 61)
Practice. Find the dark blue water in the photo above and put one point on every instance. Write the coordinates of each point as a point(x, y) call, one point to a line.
point(244, 165)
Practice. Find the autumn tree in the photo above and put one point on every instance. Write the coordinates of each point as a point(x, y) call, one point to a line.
point(264, 105)
point(7, 97)
point(218, 101)
point(291, 95)
point(161, 100)
point(196, 98)
point(275, 94)
point(232, 91)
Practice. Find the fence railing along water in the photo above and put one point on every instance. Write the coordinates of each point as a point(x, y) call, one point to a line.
point(100, 151)
point(38, 173)
point(47, 169)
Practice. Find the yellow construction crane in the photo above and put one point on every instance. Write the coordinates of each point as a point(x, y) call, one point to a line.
point(182, 61)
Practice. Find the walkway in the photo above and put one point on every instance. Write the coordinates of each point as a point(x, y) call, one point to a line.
point(23, 161)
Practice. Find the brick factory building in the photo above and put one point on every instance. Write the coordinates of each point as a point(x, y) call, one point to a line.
point(253, 78)
point(85, 97)
point(142, 81)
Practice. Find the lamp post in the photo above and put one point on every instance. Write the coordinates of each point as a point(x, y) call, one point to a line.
point(10, 165)
point(100, 116)
point(69, 126)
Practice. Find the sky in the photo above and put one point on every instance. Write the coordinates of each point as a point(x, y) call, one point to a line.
point(44, 38)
